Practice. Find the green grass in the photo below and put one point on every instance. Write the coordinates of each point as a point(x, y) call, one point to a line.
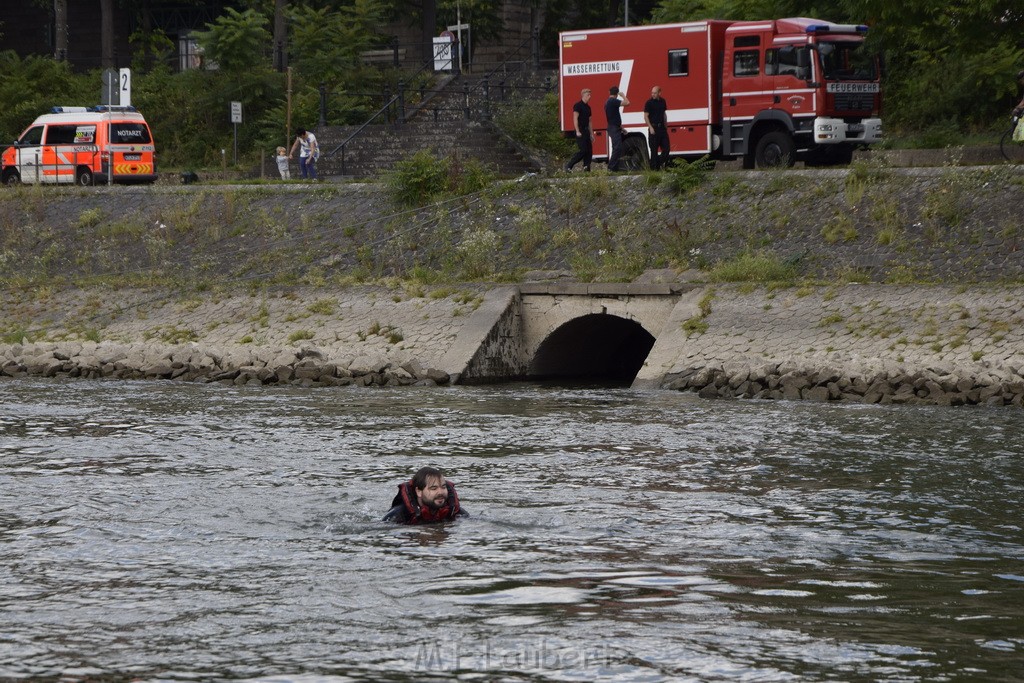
point(753, 267)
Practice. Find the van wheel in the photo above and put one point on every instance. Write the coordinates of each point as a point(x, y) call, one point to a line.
point(775, 150)
point(12, 177)
point(84, 176)
point(635, 156)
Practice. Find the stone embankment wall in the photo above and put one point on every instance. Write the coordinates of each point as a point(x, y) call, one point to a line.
point(865, 343)
point(359, 335)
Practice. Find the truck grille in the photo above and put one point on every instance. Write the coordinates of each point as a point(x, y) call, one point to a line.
point(854, 101)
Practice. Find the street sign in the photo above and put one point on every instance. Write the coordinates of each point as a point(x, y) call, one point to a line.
point(111, 91)
point(126, 87)
point(236, 112)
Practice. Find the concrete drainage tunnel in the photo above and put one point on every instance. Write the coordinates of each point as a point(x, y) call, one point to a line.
point(593, 347)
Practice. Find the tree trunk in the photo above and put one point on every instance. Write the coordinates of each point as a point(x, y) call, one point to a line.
point(280, 36)
point(60, 43)
point(147, 31)
point(107, 34)
point(429, 27)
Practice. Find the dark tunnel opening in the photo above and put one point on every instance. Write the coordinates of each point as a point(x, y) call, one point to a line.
point(594, 347)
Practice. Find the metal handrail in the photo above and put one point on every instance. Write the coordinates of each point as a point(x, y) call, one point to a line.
point(400, 97)
point(341, 147)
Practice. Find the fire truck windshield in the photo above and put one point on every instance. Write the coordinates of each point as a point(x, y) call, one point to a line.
point(847, 61)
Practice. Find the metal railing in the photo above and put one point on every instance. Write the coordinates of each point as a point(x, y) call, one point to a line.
point(28, 166)
point(474, 97)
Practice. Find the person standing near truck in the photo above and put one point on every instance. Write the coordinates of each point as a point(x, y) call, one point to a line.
point(657, 132)
point(616, 101)
point(581, 114)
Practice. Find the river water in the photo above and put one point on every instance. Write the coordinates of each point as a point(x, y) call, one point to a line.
point(159, 531)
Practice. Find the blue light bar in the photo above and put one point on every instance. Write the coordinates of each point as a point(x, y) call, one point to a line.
point(837, 28)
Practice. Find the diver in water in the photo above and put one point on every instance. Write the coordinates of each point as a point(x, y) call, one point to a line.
point(425, 499)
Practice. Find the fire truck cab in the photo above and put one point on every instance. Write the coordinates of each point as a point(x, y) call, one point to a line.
point(87, 146)
point(767, 92)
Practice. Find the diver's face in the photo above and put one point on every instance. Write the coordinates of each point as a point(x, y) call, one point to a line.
point(434, 495)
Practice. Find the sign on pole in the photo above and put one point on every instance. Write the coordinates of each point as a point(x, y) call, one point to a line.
point(443, 58)
point(126, 87)
point(111, 90)
point(236, 118)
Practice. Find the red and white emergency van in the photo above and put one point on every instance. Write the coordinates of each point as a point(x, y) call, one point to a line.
point(768, 92)
point(87, 146)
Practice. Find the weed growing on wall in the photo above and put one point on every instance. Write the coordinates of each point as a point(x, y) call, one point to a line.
point(758, 266)
point(479, 250)
point(423, 178)
point(683, 177)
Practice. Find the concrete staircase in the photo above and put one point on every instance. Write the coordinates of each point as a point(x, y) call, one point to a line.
point(439, 124)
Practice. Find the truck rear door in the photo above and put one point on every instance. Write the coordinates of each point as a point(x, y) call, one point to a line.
point(131, 148)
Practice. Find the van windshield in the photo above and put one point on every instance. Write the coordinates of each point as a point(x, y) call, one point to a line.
point(32, 136)
point(129, 134)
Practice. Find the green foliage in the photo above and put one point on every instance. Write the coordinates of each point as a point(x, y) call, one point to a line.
point(477, 252)
point(31, 86)
point(535, 124)
point(236, 41)
point(753, 267)
point(327, 42)
point(423, 178)
point(683, 176)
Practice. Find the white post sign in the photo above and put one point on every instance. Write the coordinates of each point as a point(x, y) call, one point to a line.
point(125, 81)
point(236, 118)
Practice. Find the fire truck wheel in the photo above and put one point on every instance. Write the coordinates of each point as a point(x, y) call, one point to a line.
point(775, 149)
point(634, 154)
point(84, 176)
point(12, 178)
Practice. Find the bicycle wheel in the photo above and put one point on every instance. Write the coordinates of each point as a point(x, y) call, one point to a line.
point(1011, 151)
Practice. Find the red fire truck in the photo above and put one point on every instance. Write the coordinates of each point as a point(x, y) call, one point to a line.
point(768, 92)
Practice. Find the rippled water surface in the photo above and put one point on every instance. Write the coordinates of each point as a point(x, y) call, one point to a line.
point(182, 532)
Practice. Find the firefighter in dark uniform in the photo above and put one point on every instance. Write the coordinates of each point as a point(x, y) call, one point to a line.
point(657, 132)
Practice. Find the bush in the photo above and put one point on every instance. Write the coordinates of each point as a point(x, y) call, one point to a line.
point(535, 124)
point(422, 178)
point(753, 267)
point(683, 176)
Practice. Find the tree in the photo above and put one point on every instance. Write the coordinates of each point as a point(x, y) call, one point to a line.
point(236, 40)
point(107, 34)
point(280, 35)
point(60, 30)
point(948, 65)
